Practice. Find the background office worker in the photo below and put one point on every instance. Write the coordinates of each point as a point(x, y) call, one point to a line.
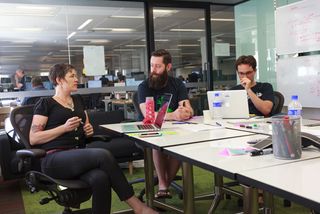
point(158, 83)
point(260, 95)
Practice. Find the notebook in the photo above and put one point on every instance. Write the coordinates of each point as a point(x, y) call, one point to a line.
point(234, 103)
point(136, 128)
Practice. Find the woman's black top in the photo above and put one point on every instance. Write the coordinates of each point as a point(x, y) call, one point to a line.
point(58, 115)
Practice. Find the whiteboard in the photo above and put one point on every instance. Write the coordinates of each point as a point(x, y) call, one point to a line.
point(300, 76)
point(298, 27)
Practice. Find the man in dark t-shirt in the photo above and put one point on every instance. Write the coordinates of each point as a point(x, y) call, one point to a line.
point(157, 84)
point(260, 95)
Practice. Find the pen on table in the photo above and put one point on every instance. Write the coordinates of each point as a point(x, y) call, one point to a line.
point(219, 124)
point(261, 152)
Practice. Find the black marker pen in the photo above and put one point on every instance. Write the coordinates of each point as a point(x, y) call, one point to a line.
point(261, 152)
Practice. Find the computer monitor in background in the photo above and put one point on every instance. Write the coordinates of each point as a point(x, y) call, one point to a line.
point(5, 80)
point(94, 84)
point(138, 75)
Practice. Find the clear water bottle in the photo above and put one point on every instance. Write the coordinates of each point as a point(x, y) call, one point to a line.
point(150, 114)
point(294, 107)
point(217, 106)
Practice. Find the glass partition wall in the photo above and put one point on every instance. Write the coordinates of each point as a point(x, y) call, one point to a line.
point(109, 38)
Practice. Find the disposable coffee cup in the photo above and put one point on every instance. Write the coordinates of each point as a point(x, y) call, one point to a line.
point(286, 137)
point(207, 118)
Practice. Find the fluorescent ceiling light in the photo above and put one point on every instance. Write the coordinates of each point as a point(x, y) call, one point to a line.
point(218, 20)
point(186, 30)
point(84, 24)
point(23, 41)
point(162, 12)
point(219, 40)
point(71, 35)
point(174, 49)
point(93, 40)
point(71, 50)
point(31, 29)
point(128, 17)
point(188, 45)
point(27, 11)
point(188, 53)
point(114, 29)
point(135, 45)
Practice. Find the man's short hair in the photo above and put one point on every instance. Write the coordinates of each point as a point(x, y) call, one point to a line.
point(163, 53)
point(36, 81)
point(247, 60)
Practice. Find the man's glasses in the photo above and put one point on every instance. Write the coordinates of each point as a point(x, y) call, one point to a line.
point(247, 73)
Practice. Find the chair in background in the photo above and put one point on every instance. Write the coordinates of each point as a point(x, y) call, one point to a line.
point(74, 192)
point(278, 103)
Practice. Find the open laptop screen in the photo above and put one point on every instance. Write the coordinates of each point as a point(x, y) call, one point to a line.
point(163, 110)
point(234, 103)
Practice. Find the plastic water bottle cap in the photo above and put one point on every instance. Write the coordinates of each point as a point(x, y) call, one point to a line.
point(216, 94)
point(294, 97)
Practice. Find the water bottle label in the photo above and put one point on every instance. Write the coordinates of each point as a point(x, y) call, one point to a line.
point(294, 112)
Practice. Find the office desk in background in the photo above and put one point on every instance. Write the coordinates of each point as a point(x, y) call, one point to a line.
point(126, 105)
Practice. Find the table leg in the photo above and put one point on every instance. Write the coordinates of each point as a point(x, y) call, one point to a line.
point(218, 192)
point(250, 200)
point(268, 203)
point(188, 188)
point(149, 181)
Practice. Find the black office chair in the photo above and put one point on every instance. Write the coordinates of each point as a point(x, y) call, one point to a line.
point(75, 191)
point(278, 103)
point(140, 117)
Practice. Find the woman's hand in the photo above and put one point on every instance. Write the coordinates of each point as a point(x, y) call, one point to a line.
point(88, 129)
point(72, 124)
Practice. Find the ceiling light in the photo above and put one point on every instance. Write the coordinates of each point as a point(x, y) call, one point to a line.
point(188, 45)
point(98, 41)
point(34, 8)
point(27, 11)
point(114, 29)
point(218, 20)
point(23, 41)
point(31, 29)
point(71, 35)
point(128, 17)
point(173, 49)
point(186, 30)
point(16, 51)
point(163, 13)
point(84, 24)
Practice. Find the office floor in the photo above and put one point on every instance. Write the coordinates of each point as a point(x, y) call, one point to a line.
point(11, 201)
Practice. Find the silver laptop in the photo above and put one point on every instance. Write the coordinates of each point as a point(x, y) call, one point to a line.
point(136, 128)
point(234, 103)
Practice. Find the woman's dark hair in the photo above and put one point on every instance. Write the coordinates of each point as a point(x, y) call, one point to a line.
point(163, 53)
point(59, 71)
point(247, 60)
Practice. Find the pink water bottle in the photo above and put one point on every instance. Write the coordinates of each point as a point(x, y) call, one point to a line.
point(150, 115)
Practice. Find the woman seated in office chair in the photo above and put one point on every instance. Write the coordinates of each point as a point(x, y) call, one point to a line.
point(59, 126)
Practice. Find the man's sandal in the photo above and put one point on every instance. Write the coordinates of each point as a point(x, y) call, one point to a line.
point(162, 194)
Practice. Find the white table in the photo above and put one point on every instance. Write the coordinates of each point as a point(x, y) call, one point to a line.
point(296, 181)
point(206, 155)
point(174, 135)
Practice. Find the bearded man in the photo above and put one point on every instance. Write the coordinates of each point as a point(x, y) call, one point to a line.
point(158, 84)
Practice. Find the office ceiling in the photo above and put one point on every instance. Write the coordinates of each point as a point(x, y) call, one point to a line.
point(35, 39)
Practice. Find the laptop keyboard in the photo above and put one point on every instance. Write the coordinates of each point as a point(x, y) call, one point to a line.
point(142, 127)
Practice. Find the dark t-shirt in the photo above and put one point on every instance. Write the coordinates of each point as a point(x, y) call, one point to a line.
point(175, 87)
point(58, 115)
point(263, 90)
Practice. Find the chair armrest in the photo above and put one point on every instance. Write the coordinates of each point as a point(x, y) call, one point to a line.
point(31, 153)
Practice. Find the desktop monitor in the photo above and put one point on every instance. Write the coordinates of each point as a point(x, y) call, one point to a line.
point(5, 80)
point(94, 84)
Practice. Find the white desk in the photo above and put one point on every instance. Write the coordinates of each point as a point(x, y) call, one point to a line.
point(296, 181)
point(206, 155)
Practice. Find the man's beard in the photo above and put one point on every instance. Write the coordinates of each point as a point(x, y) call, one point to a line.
point(158, 81)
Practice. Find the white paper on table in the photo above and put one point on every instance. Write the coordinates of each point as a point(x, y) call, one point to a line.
point(311, 130)
point(198, 127)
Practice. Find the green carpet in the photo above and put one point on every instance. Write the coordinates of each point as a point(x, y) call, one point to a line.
point(203, 184)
